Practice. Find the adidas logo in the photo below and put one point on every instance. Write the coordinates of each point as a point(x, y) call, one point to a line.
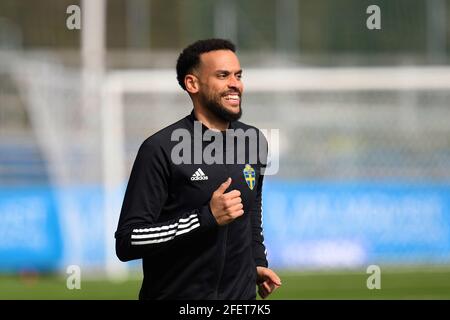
point(199, 175)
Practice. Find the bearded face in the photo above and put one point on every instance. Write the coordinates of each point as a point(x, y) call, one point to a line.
point(221, 88)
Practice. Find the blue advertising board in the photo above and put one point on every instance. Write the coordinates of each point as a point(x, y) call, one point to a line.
point(305, 224)
point(351, 224)
point(30, 237)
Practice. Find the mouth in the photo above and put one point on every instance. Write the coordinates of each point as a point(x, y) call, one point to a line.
point(232, 98)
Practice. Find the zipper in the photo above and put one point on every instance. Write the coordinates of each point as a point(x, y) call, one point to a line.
point(225, 235)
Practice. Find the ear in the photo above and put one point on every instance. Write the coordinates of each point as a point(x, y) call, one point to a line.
point(191, 83)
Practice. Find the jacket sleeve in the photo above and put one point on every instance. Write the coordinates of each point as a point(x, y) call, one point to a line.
point(258, 247)
point(139, 233)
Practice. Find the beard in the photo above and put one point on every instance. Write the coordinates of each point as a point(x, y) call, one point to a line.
point(221, 112)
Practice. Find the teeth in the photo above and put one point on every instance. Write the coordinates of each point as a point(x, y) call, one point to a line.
point(233, 97)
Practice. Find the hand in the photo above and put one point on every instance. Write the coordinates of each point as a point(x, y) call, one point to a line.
point(267, 281)
point(226, 207)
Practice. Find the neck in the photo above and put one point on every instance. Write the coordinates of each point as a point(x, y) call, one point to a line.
point(209, 119)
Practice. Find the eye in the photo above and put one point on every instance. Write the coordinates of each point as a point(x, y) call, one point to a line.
point(222, 75)
point(239, 76)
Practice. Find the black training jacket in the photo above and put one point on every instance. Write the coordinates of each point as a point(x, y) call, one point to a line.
point(166, 220)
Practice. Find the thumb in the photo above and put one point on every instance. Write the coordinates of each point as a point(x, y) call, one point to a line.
point(224, 186)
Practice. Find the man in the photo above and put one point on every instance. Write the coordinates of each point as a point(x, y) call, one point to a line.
point(197, 224)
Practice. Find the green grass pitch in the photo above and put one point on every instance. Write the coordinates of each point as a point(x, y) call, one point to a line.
point(396, 283)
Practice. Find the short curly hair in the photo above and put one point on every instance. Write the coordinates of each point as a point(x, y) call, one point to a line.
point(189, 58)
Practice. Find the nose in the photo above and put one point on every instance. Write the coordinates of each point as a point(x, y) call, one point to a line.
point(235, 83)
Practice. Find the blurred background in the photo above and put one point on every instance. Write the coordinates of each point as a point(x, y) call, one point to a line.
point(364, 137)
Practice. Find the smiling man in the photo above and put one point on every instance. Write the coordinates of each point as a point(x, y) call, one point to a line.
point(197, 224)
